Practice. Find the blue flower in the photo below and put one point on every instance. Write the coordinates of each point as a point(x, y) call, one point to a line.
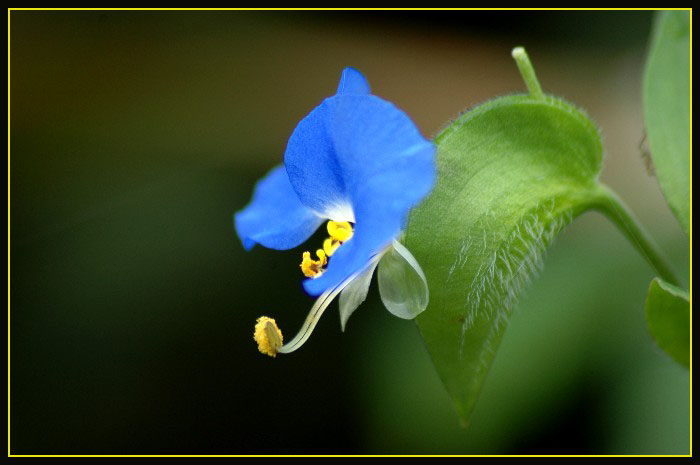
point(360, 162)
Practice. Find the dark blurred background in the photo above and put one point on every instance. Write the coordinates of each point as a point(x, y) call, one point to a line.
point(135, 136)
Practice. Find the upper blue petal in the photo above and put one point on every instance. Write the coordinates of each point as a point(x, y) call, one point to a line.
point(313, 168)
point(353, 82)
point(275, 217)
point(363, 151)
point(310, 154)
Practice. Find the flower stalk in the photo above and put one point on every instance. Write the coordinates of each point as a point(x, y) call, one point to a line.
point(611, 205)
point(527, 72)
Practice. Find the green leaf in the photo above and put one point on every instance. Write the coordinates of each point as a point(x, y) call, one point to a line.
point(511, 174)
point(667, 109)
point(668, 319)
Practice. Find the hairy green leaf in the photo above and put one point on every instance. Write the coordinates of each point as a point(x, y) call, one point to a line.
point(511, 174)
point(668, 319)
point(667, 109)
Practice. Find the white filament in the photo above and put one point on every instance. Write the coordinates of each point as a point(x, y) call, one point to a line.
point(314, 315)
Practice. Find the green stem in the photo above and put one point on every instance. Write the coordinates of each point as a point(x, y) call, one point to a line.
point(612, 206)
point(527, 72)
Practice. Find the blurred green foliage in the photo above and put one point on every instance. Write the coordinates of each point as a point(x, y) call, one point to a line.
point(667, 109)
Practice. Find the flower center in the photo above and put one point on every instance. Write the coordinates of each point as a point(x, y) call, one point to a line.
point(339, 232)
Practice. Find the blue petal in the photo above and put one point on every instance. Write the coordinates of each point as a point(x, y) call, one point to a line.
point(353, 82)
point(376, 160)
point(343, 144)
point(275, 218)
point(313, 169)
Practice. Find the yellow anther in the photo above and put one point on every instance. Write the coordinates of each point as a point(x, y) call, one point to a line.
point(268, 336)
point(339, 230)
point(313, 268)
point(330, 246)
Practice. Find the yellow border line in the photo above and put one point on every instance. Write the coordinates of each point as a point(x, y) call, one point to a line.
point(349, 9)
point(8, 233)
point(690, 292)
point(9, 10)
point(359, 455)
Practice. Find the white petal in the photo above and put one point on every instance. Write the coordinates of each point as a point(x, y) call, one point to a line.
point(402, 283)
point(355, 293)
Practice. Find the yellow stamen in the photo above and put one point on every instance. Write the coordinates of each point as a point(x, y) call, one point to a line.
point(313, 268)
point(268, 336)
point(322, 257)
point(330, 246)
point(339, 230)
